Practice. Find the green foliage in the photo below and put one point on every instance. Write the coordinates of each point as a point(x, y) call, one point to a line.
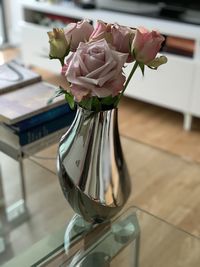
point(141, 65)
point(70, 100)
point(62, 60)
point(96, 104)
point(68, 97)
point(58, 92)
point(86, 103)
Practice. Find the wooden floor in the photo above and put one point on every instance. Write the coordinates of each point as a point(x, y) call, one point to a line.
point(162, 183)
point(165, 172)
point(159, 127)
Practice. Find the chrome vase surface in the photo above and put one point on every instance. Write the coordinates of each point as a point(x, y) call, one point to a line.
point(91, 167)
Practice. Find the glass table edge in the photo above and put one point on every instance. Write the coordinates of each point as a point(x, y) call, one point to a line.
point(55, 241)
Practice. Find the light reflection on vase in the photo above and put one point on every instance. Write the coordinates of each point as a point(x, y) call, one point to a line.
point(91, 167)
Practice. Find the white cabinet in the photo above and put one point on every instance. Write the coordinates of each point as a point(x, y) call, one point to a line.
point(35, 47)
point(169, 86)
point(195, 98)
point(175, 85)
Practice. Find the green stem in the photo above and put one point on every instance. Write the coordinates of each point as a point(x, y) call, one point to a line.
point(62, 61)
point(127, 81)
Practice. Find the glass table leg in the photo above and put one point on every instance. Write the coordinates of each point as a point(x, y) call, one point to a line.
point(17, 212)
point(104, 245)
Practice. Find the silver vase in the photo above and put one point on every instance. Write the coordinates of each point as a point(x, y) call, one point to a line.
point(91, 167)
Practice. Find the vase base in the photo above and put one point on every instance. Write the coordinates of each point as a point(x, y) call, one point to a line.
point(98, 244)
point(91, 211)
point(78, 226)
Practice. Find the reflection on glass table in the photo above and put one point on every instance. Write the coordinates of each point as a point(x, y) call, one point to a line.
point(154, 174)
point(135, 238)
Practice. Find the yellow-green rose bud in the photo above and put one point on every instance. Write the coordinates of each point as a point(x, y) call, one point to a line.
point(156, 62)
point(59, 46)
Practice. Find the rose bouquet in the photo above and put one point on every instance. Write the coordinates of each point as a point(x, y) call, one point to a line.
point(93, 60)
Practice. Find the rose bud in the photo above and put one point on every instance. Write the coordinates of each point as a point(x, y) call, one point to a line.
point(101, 31)
point(122, 38)
point(78, 32)
point(146, 45)
point(59, 47)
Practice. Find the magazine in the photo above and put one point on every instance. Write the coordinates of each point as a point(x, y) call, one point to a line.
point(14, 76)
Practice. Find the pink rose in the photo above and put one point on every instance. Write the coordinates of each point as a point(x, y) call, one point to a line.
point(146, 45)
point(64, 69)
point(66, 65)
point(96, 70)
point(78, 32)
point(122, 38)
point(101, 31)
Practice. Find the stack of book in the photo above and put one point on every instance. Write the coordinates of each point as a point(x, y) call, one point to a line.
point(25, 115)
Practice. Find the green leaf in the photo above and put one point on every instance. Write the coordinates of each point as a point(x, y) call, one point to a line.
point(58, 92)
point(70, 100)
point(141, 65)
point(156, 62)
point(133, 53)
point(116, 102)
point(86, 104)
point(107, 100)
point(96, 104)
point(110, 101)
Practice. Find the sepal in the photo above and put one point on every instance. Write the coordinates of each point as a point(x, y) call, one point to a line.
point(154, 64)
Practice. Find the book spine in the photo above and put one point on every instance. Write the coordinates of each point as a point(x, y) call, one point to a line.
point(43, 130)
point(42, 118)
point(44, 142)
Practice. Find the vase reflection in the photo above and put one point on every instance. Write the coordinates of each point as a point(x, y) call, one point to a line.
point(88, 244)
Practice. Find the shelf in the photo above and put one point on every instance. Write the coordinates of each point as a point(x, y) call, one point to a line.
point(179, 46)
point(69, 9)
point(47, 19)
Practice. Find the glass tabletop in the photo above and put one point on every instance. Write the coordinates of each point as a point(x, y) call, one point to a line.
point(134, 238)
point(154, 174)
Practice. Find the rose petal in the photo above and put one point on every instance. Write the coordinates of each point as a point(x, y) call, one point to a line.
point(78, 92)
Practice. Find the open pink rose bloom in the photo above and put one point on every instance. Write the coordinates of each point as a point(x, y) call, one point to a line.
point(96, 56)
point(96, 70)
